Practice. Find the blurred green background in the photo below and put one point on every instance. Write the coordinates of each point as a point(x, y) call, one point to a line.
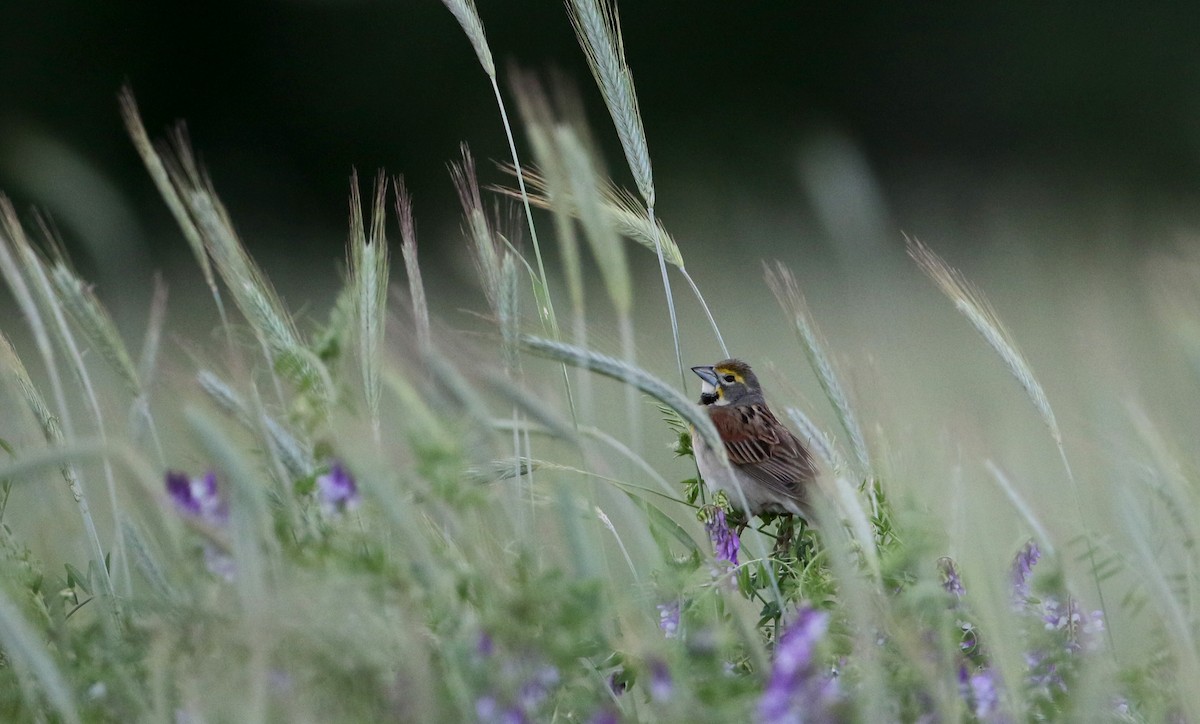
point(1052, 153)
point(816, 125)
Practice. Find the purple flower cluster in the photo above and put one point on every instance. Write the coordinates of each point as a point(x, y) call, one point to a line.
point(336, 490)
point(981, 691)
point(1022, 570)
point(1079, 627)
point(668, 619)
point(725, 542)
point(661, 685)
point(521, 685)
point(200, 500)
point(198, 497)
point(950, 579)
point(1072, 630)
point(798, 689)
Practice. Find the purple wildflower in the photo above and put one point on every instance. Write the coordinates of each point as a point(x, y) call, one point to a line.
point(488, 711)
point(981, 690)
point(725, 542)
point(661, 685)
point(1022, 569)
point(484, 645)
point(668, 619)
point(535, 689)
point(219, 563)
point(950, 579)
point(797, 690)
point(604, 716)
point(336, 490)
point(1121, 707)
point(617, 683)
point(970, 635)
point(1043, 676)
point(197, 497)
point(1079, 626)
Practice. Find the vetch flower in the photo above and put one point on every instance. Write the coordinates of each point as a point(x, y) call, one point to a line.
point(336, 490)
point(725, 542)
point(1079, 626)
point(484, 645)
point(1022, 569)
point(1043, 676)
point(668, 619)
point(798, 690)
point(950, 578)
point(981, 691)
point(198, 497)
point(604, 716)
point(488, 711)
point(537, 687)
point(219, 563)
point(661, 686)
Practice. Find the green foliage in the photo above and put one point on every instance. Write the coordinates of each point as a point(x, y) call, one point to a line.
point(386, 534)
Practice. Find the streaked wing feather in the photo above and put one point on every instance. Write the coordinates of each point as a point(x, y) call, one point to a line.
point(764, 449)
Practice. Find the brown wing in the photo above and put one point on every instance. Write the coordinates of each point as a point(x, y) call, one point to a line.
point(763, 448)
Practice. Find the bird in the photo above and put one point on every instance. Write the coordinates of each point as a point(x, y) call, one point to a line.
point(771, 469)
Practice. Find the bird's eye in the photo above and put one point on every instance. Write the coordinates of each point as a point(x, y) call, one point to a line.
point(729, 378)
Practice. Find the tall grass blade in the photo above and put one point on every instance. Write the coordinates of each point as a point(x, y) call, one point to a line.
point(787, 291)
point(599, 34)
point(468, 17)
point(147, 366)
point(167, 189)
point(32, 266)
point(369, 277)
point(408, 249)
point(252, 293)
point(624, 372)
point(1023, 507)
point(979, 312)
point(629, 217)
point(630, 375)
point(39, 674)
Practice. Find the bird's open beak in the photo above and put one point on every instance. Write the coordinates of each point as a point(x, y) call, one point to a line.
point(706, 373)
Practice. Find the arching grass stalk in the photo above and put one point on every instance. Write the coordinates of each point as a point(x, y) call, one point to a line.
point(787, 292)
point(56, 426)
point(369, 279)
point(148, 358)
point(630, 375)
point(540, 124)
point(979, 312)
point(162, 181)
point(53, 303)
point(497, 266)
point(599, 35)
point(38, 674)
point(607, 248)
point(628, 217)
point(287, 453)
point(408, 248)
point(97, 326)
point(468, 17)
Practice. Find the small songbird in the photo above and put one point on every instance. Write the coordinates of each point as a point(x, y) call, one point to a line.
point(770, 465)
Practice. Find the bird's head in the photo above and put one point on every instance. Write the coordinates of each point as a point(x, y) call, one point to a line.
point(726, 382)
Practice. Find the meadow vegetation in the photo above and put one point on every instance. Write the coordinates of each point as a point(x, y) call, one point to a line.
point(380, 518)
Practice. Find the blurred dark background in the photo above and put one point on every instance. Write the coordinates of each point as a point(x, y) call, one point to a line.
point(864, 119)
